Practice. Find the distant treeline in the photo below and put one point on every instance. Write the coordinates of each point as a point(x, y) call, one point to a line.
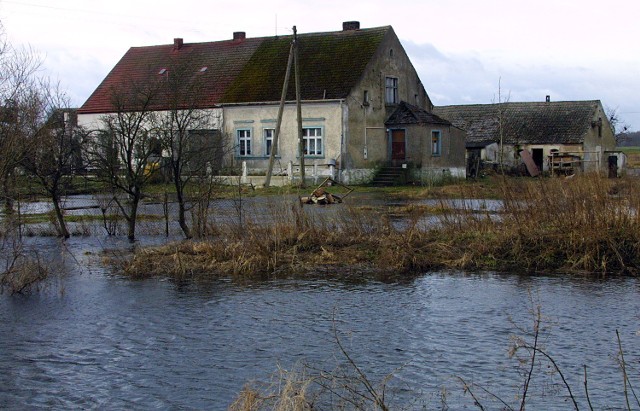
point(630, 139)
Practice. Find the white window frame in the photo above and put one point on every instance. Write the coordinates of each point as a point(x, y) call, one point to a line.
point(243, 136)
point(391, 90)
point(313, 139)
point(436, 143)
point(268, 135)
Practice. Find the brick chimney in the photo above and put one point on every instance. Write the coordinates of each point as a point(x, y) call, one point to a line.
point(239, 35)
point(177, 43)
point(350, 25)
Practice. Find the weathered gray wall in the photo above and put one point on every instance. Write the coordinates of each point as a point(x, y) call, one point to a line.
point(390, 60)
point(596, 143)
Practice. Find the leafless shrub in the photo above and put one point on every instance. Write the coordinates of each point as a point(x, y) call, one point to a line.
point(23, 271)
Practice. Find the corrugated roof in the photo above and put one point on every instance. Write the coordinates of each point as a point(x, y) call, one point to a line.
point(249, 70)
point(560, 122)
point(407, 113)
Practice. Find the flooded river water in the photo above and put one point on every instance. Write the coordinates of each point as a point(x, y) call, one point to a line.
point(96, 340)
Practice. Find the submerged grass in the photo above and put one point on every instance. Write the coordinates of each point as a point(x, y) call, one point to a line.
point(583, 224)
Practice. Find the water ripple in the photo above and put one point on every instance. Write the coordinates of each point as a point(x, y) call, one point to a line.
point(112, 343)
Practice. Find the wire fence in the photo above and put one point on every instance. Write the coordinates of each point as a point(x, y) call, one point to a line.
point(157, 215)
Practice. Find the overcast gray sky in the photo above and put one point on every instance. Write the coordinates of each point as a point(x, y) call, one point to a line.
point(462, 49)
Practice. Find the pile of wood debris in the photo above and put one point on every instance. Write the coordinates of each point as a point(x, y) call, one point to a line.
point(322, 196)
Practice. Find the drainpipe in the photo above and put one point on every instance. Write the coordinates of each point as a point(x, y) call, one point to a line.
point(364, 115)
point(343, 138)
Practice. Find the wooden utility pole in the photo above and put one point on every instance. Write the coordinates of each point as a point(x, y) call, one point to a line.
point(298, 106)
point(274, 144)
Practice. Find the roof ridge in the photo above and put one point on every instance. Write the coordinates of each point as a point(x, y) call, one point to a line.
point(272, 37)
point(519, 102)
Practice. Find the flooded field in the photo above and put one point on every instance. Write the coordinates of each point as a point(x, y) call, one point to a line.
point(96, 340)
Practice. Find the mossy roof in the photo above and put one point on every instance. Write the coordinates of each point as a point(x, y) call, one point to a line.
point(330, 65)
point(407, 113)
point(249, 69)
point(560, 122)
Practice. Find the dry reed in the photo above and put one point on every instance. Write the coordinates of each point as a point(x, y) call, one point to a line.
point(23, 274)
point(583, 224)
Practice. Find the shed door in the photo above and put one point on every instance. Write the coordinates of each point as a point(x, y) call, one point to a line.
point(538, 158)
point(398, 146)
point(613, 166)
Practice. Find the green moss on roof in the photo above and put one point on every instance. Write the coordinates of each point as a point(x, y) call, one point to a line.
point(330, 65)
point(248, 70)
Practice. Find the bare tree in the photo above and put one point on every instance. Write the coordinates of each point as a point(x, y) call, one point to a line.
point(501, 103)
point(619, 127)
point(121, 149)
point(189, 134)
point(52, 143)
point(18, 69)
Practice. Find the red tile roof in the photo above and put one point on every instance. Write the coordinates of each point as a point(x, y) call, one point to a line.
point(247, 70)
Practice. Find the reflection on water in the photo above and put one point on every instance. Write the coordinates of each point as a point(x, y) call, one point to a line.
point(102, 341)
point(92, 215)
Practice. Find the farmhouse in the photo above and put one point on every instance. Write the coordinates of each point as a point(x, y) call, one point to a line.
point(351, 82)
point(561, 137)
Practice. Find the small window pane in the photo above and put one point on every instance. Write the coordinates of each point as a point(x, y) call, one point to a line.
point(268, 140)
point(244, 142)
point(391, 90)
point(436, 143)
point(312, 141)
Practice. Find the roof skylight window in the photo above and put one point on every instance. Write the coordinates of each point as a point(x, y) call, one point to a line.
point(203, 69)
point(162, 71)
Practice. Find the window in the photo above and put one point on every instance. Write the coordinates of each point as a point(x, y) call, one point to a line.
point(391, 90)
point(268, 134)
point(436, 143)
point(312, 141)
point(244, 142)
point(599, 126)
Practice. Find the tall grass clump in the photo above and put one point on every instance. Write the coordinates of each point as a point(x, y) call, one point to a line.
point(289, 391)
point(282, 240)
point(582, 224)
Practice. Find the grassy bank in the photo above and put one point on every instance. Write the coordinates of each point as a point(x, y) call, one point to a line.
point(579, 225)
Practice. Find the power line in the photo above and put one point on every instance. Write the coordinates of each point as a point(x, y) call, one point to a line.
point(76, 10)
point(194, 25)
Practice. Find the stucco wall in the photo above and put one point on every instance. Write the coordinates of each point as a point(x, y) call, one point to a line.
point(452, 152)
point(430, 176)
point(94, 121)
point(209, 119)
point(357, 175)
point(327, 116)
point(512, 158)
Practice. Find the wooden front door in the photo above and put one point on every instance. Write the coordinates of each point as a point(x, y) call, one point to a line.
point(398, 146)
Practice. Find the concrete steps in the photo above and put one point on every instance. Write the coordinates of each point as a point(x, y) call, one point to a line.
point(389, 176)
